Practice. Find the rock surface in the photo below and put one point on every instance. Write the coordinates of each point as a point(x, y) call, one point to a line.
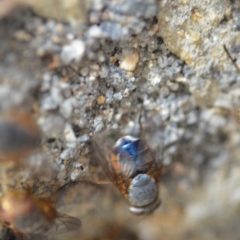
point(92, 72)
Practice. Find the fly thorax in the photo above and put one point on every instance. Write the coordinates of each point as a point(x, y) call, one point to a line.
point(142, 190)
point(126, 149)
point(134, 152)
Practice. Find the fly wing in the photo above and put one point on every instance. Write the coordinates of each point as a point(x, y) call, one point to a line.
point(158, 164)
point(117, 166)
point(145, 156)
point(14, 234)
point(31, 236)
point(102, 149)
point(64, 223)
point(151, 147)
point(125, 164)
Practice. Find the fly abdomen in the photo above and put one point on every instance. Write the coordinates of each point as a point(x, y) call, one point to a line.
point(142, 194)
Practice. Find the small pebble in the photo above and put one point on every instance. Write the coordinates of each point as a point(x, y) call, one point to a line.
point(100, 99)
point(69, 134)
point(73, 52)
point(130, 60)
point(98, 123)
point(83, 138)
point(22, 36)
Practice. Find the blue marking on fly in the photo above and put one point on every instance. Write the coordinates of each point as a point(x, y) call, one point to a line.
point(132, 167)
point(129, 144)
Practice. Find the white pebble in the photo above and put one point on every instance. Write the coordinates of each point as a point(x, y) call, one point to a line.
point(73, 52)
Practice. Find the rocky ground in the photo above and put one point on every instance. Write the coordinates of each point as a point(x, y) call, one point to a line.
point(85, 67)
